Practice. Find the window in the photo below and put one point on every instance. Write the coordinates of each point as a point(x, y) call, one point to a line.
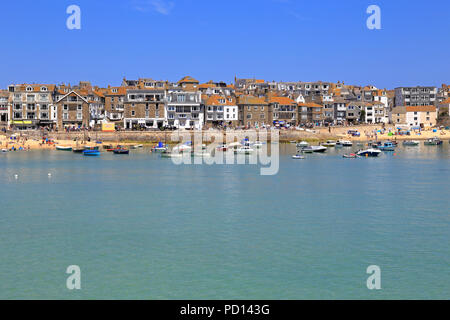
point(79, 116)
point(79, 107)
point(65, 116)
point(44, 89)
point(29, 89)
point(133, 113)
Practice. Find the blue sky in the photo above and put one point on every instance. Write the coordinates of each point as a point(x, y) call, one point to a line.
point(283, 40)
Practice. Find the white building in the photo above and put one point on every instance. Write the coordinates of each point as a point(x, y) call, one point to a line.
point(184, 110)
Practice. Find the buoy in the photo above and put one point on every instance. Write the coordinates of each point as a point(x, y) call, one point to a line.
point(16, 176)
point(49, 174)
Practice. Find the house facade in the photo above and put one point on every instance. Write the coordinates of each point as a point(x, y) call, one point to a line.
point(421, 116)
point(73, 111)
point(415, 96)
point(284, 111)
point(32, 106)
point(144, 108)
point(253, 112)
point(220, 111)
point(184, 110)
point(4, 109)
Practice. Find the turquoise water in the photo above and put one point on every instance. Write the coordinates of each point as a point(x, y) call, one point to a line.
point(141, 227)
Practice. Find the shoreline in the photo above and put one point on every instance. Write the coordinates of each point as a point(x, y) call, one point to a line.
point(33, 140)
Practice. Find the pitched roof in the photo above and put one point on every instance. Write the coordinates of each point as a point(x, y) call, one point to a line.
point(281, 100)
point(245, 99)
point(310, 104)
point(420, 108)
point(188, 79)
point(216, 100)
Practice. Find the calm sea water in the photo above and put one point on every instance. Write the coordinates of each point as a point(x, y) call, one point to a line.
point(141, 227)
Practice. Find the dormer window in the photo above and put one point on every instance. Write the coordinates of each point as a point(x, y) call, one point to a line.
point(29, 89)
point(44, 89)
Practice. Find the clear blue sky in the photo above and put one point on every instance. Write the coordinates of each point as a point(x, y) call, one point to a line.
point(288, 40)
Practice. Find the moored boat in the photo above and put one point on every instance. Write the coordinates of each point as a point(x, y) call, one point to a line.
point(371, 152)
point(303, 144)
point(244, 150)
point(78, 150)
point(433, 142)
point(91, 153)
point(387, 146)
point(139, 146)
point(411, 143)
point(329, 143)
point(222, 147)
point(351, 156)
point(314, 149)
point(63, 148)
point(121, 151)
point(298, 157)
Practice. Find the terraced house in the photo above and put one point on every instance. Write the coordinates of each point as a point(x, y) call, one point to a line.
point(32, 106)
point(144, 108)
point(4, 109)
point(284, 111)
point(115, 104)
point(73, 109)
point(184, 110)
point(220, 110)
point(254, 112)
point(311, 113)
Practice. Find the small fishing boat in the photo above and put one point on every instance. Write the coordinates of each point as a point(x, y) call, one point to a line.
point(91, 148)
point(298, 157)
point(91, 153)
point(169, 154)
point(314, 149)
point(63, 148)
point(387, 146)
point(5, 150)
point(203, 154)
point(411, 143)
point(329, 143)
point(160, 147)
point(344, 143)
point(183, 148)
point(139, 146)
point(371, 152)
point(121, 151)
point(244, 150)
point(351, 156)
point(433, 142)
point(302, 144)
point(78, 150)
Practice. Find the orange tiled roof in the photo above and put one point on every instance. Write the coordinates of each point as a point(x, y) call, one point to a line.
point(281, 100)
point(420, 108)
point(310, 104)
point(251, 100)
point(188, 79)
point(446, 101)
point(215, 101)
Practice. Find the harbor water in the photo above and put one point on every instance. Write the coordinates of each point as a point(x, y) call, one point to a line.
point(141, 227)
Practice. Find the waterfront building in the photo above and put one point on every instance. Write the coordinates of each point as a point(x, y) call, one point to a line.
point(254, 112)
point(72, 109)
point(284, 110)
point(414, 117)
point(415, 96)
point(115, 104)
point(311, 113)
point(4, 109)
point(220, 110)
point(375, 112)
point(184, 109)
point(32, 106)
point(144, 108)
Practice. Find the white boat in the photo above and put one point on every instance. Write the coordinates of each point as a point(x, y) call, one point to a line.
point(203, 154)
point(314, 149)
point(244, 150)
point(5, 150)
point(168, 154)
point(303, 144)
point(63, 148)
point(298, 157)
point(329, 143)
point(369, 153)
point(182, 148)
point(344, 143)
point(139, 146)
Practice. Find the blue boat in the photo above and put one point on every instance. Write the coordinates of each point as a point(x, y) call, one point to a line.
point(387, 146)
point(91, 153)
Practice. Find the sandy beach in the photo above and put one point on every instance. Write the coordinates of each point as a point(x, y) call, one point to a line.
point(25, 141)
